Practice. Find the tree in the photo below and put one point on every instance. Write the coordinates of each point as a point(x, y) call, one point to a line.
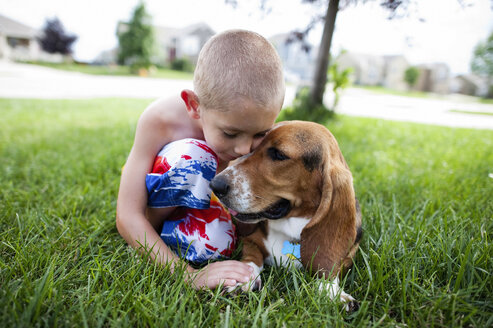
point(55, 39)
point(482, 62)
point(137, 41)
point(329, 19)
point(332, 7)
point(411, 76)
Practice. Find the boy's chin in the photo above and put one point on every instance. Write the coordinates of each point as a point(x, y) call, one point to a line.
point(227, 158)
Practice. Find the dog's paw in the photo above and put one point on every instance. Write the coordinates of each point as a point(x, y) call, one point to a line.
point(255, 282)
point(335, 292)
point(350, 304)
point(246, 287)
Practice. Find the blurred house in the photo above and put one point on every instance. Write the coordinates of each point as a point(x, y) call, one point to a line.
point(18, 42)
point(389, 71)
point(394, 70)
point(433, 78)
point(184, 42)
point(469, 84)
point(107, 57)
point(171, 43)
point(298, 64)
point(367, 69)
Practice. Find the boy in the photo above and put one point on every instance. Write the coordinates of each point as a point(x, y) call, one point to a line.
point(238, 93)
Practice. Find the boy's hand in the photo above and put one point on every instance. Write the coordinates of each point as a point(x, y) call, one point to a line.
point(227, 273)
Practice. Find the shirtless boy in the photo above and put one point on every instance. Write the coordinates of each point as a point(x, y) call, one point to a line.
point(238, 93)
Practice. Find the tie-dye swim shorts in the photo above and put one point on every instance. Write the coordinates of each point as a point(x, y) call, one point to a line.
point(200, 229)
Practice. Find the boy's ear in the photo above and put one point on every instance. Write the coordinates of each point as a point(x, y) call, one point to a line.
point(192, 102)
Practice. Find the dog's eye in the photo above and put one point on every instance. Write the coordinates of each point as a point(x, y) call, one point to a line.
point(276, 155)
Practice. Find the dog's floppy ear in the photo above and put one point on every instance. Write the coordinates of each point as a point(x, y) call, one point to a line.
point(328, 237)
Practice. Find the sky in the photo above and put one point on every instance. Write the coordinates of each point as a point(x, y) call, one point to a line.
point(433, 31)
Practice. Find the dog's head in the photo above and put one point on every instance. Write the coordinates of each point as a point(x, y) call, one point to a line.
point(293, 172)
point(276, 180)
point(297, 171)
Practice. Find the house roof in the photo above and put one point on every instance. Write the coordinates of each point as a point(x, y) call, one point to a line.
point(279, 38)
point(12, 28)
point(190, 29)
point(473, 79)
point(168, 33)
point(434, 66)
point(364, 60)
point(391, 58)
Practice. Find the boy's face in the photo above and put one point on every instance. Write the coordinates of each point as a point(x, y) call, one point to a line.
point(237, 131)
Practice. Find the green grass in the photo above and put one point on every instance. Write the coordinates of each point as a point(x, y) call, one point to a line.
point(420, 94)
point(487, 101)
point(425, 260)
point(386, 91)
point(470, 112)
point(117, 70)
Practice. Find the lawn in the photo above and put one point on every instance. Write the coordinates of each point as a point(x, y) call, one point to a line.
point(116, 70)
point(470, 112)
point(422, 94)
point(425, 258)
point(408, 93)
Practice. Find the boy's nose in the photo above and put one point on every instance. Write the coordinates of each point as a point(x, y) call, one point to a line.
point(243, 147)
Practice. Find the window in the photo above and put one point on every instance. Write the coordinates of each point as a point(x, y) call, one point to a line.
point(190, 45)
point(17, 42)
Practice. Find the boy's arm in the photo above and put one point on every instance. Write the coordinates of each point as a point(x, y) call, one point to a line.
point(131, 221)
point(138, 230)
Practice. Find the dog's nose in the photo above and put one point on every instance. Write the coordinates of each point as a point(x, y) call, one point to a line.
point(219, 186)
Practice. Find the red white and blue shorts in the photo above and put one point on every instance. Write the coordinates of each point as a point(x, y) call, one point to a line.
point(200, 229)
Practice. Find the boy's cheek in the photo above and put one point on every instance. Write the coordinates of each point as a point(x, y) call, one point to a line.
point(257, 142)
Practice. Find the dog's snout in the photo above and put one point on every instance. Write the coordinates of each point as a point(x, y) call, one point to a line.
point(219, 186)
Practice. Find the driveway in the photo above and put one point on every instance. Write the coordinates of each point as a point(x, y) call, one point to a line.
point(29, 81)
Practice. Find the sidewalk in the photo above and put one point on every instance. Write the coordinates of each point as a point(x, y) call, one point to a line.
point(359, 102)
point(30, 81)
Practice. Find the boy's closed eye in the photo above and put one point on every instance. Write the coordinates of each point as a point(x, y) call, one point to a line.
point(229, 135)
point(260, 134)
point(232, 135)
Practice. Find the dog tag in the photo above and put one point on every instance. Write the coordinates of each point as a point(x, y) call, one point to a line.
point(291, 250)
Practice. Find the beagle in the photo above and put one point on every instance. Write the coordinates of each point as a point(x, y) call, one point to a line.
point(295, 188)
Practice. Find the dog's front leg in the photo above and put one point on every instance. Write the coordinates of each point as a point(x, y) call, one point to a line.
point(253, 256)
point(334, 291)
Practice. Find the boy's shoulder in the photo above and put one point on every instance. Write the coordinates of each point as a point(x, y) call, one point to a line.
point(166, 108)
point(169, 115)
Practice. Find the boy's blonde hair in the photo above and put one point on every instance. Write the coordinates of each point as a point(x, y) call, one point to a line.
point(236, 66)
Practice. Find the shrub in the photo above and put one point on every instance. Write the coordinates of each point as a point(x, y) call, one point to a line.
point(304, 109)
point(182, 64)
point(340, 81)
point(411, 76)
